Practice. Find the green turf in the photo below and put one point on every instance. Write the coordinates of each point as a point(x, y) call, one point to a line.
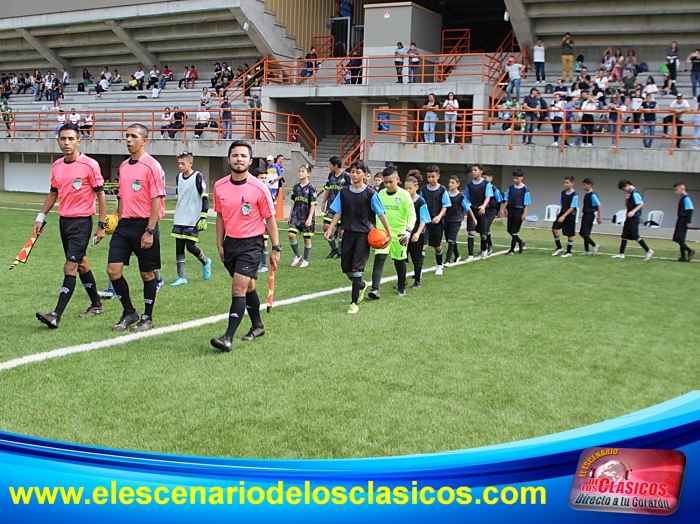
point(496, 351)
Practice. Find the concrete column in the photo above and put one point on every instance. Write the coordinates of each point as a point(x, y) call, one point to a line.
point(139, 50)
point(47, 53)
point(520, 21)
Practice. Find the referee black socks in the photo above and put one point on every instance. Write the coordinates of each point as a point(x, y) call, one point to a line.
point(88, 281)
point(65, 294)
point(235, 315)
point(252, 306)
point(149, 296)
point(121, 289)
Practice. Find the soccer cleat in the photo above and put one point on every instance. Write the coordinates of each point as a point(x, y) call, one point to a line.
point(457, 259)
point(374, 294)
point(354, 308)
point(557, 252)
point(619, 255)
point(362, 293)
point(296, 261)
point(179, 282)
point(649, 254)
point(396, 286)
point(402, 292)
point(522, 247)
point(490, 250)
point(304, 263)
point(682, 259)
point(470, 258)
point(596, 249)
point(126, 321)
point(254, 333)
point(566, 255)
point(584, 253)
point(223, 343)
point(446, 264)
point(438, 270)
point(510, 252)
point(263, 269)
point(416, 285)
point(338, 255)
point(107, 293)
point(206, 270)
point(484, 255)
point(92, 311)
point(144, 324)
point(50, 319)
point(333, 253)
point(691, 254)
point(159, 284)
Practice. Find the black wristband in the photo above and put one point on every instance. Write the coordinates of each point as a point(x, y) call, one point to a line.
point(277, 247)
point(151, 230)
point(102, 225)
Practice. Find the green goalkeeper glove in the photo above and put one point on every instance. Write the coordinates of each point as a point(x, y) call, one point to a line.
point(202, 224)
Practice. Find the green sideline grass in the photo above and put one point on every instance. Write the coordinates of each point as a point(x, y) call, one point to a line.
point(496, 351)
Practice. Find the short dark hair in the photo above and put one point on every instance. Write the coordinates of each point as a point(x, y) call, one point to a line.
point(258, 171)
point(588, 181)
point(678, 184)
point(488, 172)
point(518, 173)
point(389, 171)
point(455, 178)
point(479, 166)
point(432, 169)
point(336, 161)
point(240, 143)
point(359, 164)
point(623, 183)
point(570, 178)
point(283, 159)
point(70, 126)
point(143, 130)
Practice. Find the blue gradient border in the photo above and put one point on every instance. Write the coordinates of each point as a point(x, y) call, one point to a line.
point(548, 461)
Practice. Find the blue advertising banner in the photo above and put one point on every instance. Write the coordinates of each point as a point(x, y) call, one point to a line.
point(550, 478)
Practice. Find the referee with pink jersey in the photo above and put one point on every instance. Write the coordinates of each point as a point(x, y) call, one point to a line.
point(141, 205)
point(243, 207)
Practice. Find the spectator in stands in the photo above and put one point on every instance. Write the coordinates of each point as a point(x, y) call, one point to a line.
point(184, 78)
point(607, 62)
point(6, 89)
point(413, 62)
point(226, 119)
point(13, 80)
point(155, 92)
point(105, 72)
point(23, 84)
point(254, 106)
point(166, 119)
point(7, 117)
point(205, 98)
point(677, 108)
point(673, 61)
point(86, 128)
point(37, 84)
point(87, 80)
point(153, 77)
point(55, 91)
point(588, 118)
point(65, 77)
point(227, 74)
point(575, 92)
point(694, 61)
point(567, 46)
point(542, 115)
point(431, 105)
point(631, 62)
point(637, 101)
point(510, 114)
point(192, 78)
point(628, 83)
point(309, 66)
point(60, 121)
point(131, 85)
point(166, 77)
point(202, 118)
point(599, 96)
point(696, 123)
point(178, 122)
point(584, 79)
point(217, 74)
point(649, 108)
point(116, 78)
point(73, 117)
point(102, 86)
point(618, 61)
point(514, 78)
point(399, 54)
point(616, 110)
point(450, 105)
point(355, 69)
point(602, 80)
point(650, 88)
point(538, 52)
point(669, 86)
point(530, 107)
point(556, 117)
point(139, 75)
point(560, 88)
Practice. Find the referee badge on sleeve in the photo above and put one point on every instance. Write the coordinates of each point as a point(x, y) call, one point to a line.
point(77, 184)
point(136, 185)
point(245, 209)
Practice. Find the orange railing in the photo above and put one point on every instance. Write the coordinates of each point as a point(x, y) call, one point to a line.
point(358, 153)
point(268, 126)
point(456, 41)
point(349, 142)
point(358, 49)
point(240, 86)
point(509, 127)
point(324, 45)
point(498, 92)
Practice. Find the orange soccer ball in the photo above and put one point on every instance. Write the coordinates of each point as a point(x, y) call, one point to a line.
point(377, 238)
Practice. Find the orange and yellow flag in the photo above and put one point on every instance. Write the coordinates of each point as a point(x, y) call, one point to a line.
point(23, 255)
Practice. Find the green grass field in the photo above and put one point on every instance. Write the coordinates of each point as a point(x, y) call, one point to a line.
point(495, 351)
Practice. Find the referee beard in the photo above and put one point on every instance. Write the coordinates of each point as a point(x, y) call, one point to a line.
point(244, 207)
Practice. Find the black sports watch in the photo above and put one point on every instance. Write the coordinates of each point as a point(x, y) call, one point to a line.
point(277, 248)
point(151, 230)
point(102, 225)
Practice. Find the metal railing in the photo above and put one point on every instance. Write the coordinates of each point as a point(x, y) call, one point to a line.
point(240, 86)
point(349, 142)
point(358, 153)
point(324, 45)
point(456, 41)
point(489, 126)
point(498, 92)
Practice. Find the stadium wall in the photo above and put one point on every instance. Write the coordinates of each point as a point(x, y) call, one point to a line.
point(10, 9)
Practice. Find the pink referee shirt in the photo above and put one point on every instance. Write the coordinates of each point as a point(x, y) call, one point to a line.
point(244, 207)
point(141, 181)
point(75, 183)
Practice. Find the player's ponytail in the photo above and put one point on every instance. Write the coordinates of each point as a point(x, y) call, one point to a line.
point(414, 176)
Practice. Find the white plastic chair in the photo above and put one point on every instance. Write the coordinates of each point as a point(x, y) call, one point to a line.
point(620, 217)
point(551, 212)
point(655, 216)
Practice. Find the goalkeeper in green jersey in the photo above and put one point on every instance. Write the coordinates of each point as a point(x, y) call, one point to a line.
point(401, 215)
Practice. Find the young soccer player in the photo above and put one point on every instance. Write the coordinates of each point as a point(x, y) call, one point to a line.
point(437, 200)
point(591, 204)
point(630, 230)
point(683, 222)
point(415, 246)
point(566, 219)
point(302, 216)
point(517, 201)
point(141, 205)
point(75, 182)
point(378, 182)
point(479, 192)
point(337, 180)
point(261, 174)
point(401, 216)
point(454, 216)
point(360, 206)
point(492, 210)
point(190, 217)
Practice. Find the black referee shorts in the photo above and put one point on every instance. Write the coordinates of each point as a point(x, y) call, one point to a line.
point(568, 226)
point(451, 230)
point(481, 224)
point(681, 231)
point(75, 237)
point(630, 230)
point(433, 234)
point(515, 220)
point(355, 252)
point(127, 240)
point(586, 224)
point(243, 255)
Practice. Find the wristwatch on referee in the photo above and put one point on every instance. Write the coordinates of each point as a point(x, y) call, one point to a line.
point(277, 248)
point(102, 225)
point(151, 230)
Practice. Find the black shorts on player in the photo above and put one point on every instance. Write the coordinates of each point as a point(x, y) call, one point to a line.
point(587, 220)
point(568, 226)
point(127, 240)
point(434, 234)
point(481, 224)
point(186, 232)
point(328, 218)
point(75, 237)
point(515, 220)
point(243, 256)
point(301, 229)
point(355, 252)
point(630, 229)
point(452, 230)
point(490, 217)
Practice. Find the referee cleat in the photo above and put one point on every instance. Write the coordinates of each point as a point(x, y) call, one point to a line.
point(333, 253)
point(179, 282)
point(296, 261)
point(206, 270)
point(402, 292)
point(144, 324)
point(126, 321)
point(416, 285)
point(522, 247)
point(691, 254)
point(619, 255)
point(596, 249)
point(223, 343)
point(263, 269)
point(338, 255)
point(362, 293)
point(374, 294)
point(649, 254)
point(92, 311)
point(510, 252)
point(254, 333)
point(159, 284)
point(683, 259)
point(566, 255)
point(354, 308)
point(396, 286)
point(50, 319)
point(557, 252)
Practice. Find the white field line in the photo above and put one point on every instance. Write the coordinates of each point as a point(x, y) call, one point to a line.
point(190, 324)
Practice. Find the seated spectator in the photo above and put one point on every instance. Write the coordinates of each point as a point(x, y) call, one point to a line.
point(166, 77)
point(155, 92)
point(102, 86)
point(153, 77)
point(73, 117)
point(216, 79)
point(511, 115)
point(167, 120)
point(86, 128)
point(618, 63)
point(116, 78)
point(87, 80)
point(583, 79)
point(132, 84)
point(60, 120)
point(602, 80)
point(205, 98)
point(607, 62)
point(184, 78)
point(628, 83)
point(599, 96)
point(226, 72)
point(7, 89)
point(13, 80)
point(178, 122)
point(105, 72)
point(24, 83)
point(202, 118)
point(139, 75)
point(650, 88)
point(560, 87)
point(575, 93)
point(669, 87)
point(631, 62)
point(311, 63)
point(194, 76)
